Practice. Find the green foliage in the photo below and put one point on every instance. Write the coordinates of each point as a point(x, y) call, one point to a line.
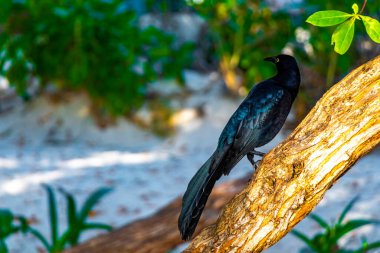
point(94, 45)
point(8, 227)
point(243, 33)
point(328, 18)
point(76, 220)
point(327, 241)
point(322, 59)
point(372, 27)
point(344, 33)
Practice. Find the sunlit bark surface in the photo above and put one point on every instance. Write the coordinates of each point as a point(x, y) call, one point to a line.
point(293, 177)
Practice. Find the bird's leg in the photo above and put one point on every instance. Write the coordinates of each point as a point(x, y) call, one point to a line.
point(251, 155)
point(255, 152)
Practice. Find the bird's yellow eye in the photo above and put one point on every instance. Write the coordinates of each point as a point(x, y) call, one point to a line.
point(277, 60)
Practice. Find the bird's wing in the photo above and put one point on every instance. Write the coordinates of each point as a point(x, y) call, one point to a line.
point(262, 109)
point(246, 126)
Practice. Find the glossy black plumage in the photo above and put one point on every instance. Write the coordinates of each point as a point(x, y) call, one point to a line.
point(257, 121)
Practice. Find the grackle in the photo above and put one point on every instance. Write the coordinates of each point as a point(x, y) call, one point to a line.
point(257, 121)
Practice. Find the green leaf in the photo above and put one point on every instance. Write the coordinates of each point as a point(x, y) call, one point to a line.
point(62, 241)
point(355, 7)
point(6, 220)
point(97, 226)
point(73, 226)
point(41, 238)
point(3, 246)
point(23, 223)
point(366, 247)
point(352, 225)
point(52, 205)
point(374, 245)
point(304, 238)
point(91, 201)
point(372, 27)
point(319, 220)
point(71, 208)
point(343, 35)
point(347, 209)
point(328, 18)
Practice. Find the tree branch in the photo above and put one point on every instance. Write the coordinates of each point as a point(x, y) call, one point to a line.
point(342, 127)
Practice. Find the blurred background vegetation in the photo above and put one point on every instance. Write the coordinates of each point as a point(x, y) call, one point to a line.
point(112, 50)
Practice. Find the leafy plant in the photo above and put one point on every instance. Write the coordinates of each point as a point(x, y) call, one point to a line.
point(76, 220)
point(94, 46)
point(244, 32)
point(344, 33)
point(322, 64)
point(8, 227)
point(327, 241)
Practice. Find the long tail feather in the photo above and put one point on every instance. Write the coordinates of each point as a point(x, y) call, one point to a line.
point(196, 196)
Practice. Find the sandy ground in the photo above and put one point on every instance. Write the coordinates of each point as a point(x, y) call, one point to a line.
point(59, 145)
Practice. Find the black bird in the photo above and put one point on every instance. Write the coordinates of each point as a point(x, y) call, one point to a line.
point(256, 122)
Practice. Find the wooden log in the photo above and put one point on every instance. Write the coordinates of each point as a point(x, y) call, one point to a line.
point(159, 233)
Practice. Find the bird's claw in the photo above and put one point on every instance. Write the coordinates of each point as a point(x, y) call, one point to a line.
point(251, 159)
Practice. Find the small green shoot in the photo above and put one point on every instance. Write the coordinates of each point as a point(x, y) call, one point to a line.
point(76, 219)
point(344, 33)
point(327, 241)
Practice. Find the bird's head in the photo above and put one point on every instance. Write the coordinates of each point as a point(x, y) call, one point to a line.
point(287, 70)
point(283, 62)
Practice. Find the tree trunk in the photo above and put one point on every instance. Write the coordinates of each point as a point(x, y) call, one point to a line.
point(293, 177)
point(159, 233)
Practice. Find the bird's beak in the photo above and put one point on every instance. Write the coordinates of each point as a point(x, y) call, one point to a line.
point(271, 59)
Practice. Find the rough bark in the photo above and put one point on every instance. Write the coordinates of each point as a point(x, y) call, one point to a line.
point(293, 177)
point(159, 233)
